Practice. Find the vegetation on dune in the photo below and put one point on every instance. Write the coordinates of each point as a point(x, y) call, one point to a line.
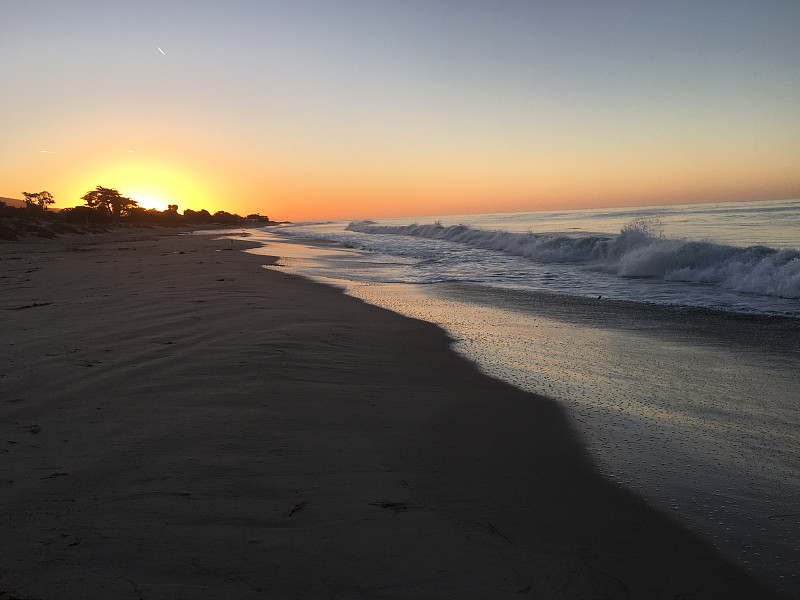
point(103, 208)
point(39, 199)
point(110, 201)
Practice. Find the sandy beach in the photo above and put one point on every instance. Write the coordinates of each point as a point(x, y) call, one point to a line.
point(172, 426)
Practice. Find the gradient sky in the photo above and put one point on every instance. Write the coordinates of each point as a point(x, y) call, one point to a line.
point(347, 109)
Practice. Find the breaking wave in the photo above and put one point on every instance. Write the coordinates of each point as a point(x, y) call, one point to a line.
point(639, 250)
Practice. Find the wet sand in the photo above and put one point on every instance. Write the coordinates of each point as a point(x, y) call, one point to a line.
point(177, 422)
point(694, 410)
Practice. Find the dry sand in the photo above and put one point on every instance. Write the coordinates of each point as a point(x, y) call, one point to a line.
point(176, 422)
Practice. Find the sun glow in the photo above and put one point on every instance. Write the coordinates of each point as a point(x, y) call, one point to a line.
point(154, 185)
point(148, 201)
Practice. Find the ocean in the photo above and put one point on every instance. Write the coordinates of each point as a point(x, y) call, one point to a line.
point(670, 334)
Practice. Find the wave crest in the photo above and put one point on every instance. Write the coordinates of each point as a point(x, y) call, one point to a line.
point(639, 250)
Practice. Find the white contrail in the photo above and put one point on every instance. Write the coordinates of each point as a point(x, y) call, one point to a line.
point(160, 50)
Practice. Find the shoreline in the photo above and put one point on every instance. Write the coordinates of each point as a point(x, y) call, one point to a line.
point(719, 454)
point(174, 425)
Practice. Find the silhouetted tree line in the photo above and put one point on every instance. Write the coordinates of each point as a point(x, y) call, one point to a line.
point(39, 199)
point(104, 207)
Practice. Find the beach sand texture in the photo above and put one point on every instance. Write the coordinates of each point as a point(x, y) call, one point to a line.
point(174, 426)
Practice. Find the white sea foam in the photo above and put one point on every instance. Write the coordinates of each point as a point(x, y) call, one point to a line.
point(639, 250)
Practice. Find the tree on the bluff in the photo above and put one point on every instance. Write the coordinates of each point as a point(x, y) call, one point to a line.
point(109, 200)
point(40, 199)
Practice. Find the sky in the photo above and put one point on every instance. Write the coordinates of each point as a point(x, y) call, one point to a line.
point(337, 109)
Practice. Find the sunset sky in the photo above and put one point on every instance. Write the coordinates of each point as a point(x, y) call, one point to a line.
point(348, 109)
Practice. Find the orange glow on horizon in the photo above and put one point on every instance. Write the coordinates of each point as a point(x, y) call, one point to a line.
point(295, 196)
point(292, 197)
point(307, 188)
